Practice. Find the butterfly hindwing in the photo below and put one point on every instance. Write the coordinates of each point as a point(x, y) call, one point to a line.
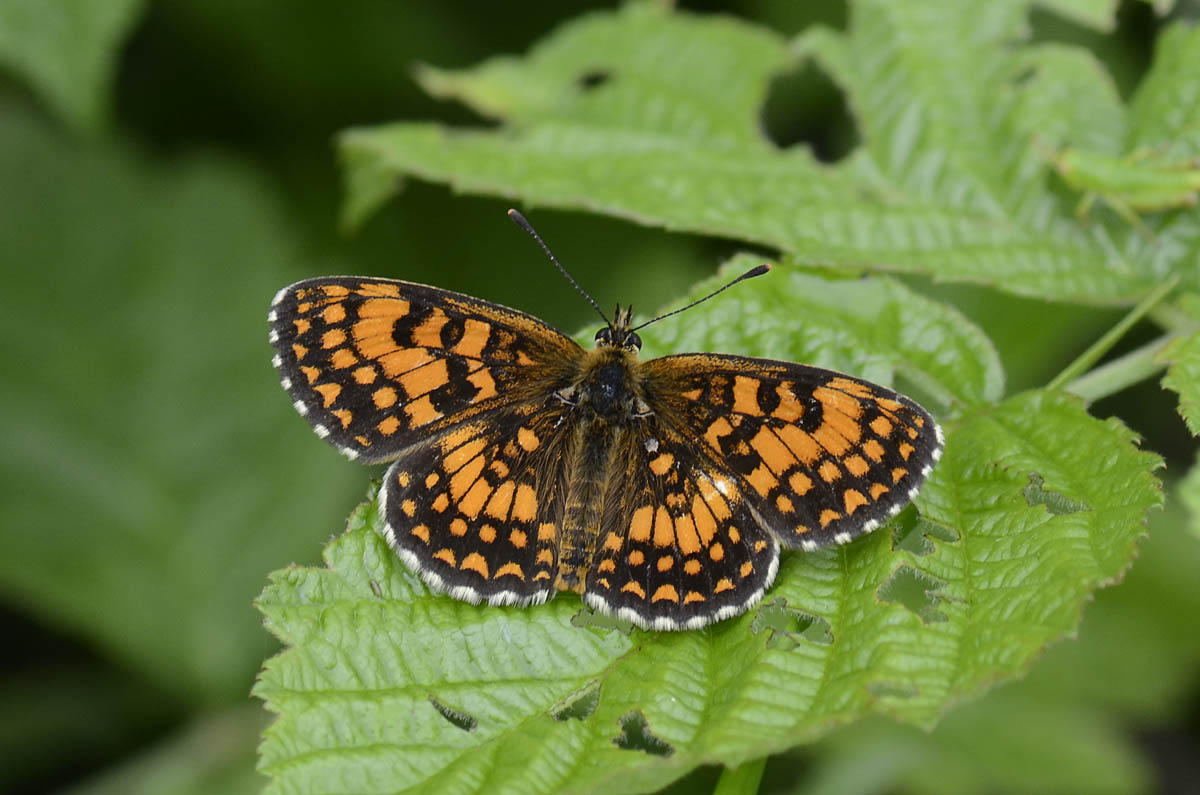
point(475, 510)
point(377, 364)
point(680, 547)
point(821, 456)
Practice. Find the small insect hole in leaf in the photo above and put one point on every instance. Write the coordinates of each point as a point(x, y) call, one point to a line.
point(829, 130)
point(593, 79)
point(587, 617)
point(912, 533)
point(579, 705)
point(460, 719)
point(915, 591)
point(882, 688)
point(636, 736)
point(788, 627)
point(1058, 504)
point(1024, 77)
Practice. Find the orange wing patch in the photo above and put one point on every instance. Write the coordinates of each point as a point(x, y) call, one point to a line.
point(496, 540)
point(680, 529)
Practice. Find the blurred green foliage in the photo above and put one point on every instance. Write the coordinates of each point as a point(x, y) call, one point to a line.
point(166, 166)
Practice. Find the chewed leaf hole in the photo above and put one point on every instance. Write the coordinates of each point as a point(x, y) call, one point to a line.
point(587, 617)
point(915, 591)
point(1036, 494)
point(881, 688)
point(460, 719)
point(594, 78)
point(636, 736)
point(578, 705)
point(912, 533)
point(788, 627)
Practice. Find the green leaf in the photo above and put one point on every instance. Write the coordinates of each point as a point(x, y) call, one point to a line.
point(153, 466)
point(1165, 111)
point(385, 686)
point(878, 328)
point(1068, 726)
point(947, 183)
point(1068, 98)
point(67, 50)
point(716, 71)
point(1099, 14)
point(1182, 355)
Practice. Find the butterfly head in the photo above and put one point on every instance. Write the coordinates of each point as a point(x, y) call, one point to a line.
point(618, 334)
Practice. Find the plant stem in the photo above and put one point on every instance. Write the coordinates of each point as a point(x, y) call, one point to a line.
point(741, 780)
point(1101, 346)
point(1170, 317)
point(1122, 372)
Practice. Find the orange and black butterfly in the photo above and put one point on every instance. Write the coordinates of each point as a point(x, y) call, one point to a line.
point(524, 464)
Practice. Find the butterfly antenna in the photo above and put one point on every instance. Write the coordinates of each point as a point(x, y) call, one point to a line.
point(520, 221)
point(750, 274)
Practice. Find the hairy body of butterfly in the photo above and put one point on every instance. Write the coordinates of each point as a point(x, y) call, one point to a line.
point(523, 464)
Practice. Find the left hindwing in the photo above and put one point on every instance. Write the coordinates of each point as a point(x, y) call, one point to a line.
point(476, 509)
point(822, 457)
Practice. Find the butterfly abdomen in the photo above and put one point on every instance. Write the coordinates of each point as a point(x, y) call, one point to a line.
point(605, 398)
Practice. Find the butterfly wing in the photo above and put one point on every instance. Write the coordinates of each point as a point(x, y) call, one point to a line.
point(475, 509)
point(376, 365)
point(680, 546)
point(820, 456)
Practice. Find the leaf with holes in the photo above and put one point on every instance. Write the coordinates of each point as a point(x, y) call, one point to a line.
point(634, 113)
point(387, 687)
point(1065, 727)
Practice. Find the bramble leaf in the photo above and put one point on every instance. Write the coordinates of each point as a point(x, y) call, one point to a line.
point(385, 686)
point(1165, 112)
point(875, 327)
point(1064, 728)
point(618, 113)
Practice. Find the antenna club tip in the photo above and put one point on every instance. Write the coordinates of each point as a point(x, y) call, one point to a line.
point(760, 270)
point(519, 220)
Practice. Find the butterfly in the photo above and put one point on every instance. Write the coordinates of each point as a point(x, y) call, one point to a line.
point(523, 464)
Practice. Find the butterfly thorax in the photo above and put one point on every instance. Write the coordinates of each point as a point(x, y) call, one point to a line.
point(607, 401)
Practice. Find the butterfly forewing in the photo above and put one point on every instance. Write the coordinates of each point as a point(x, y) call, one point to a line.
point(822, 457)
point(376, 365)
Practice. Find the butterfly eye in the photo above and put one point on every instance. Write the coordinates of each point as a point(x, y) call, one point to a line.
point(634, 340)
point(604, 335)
